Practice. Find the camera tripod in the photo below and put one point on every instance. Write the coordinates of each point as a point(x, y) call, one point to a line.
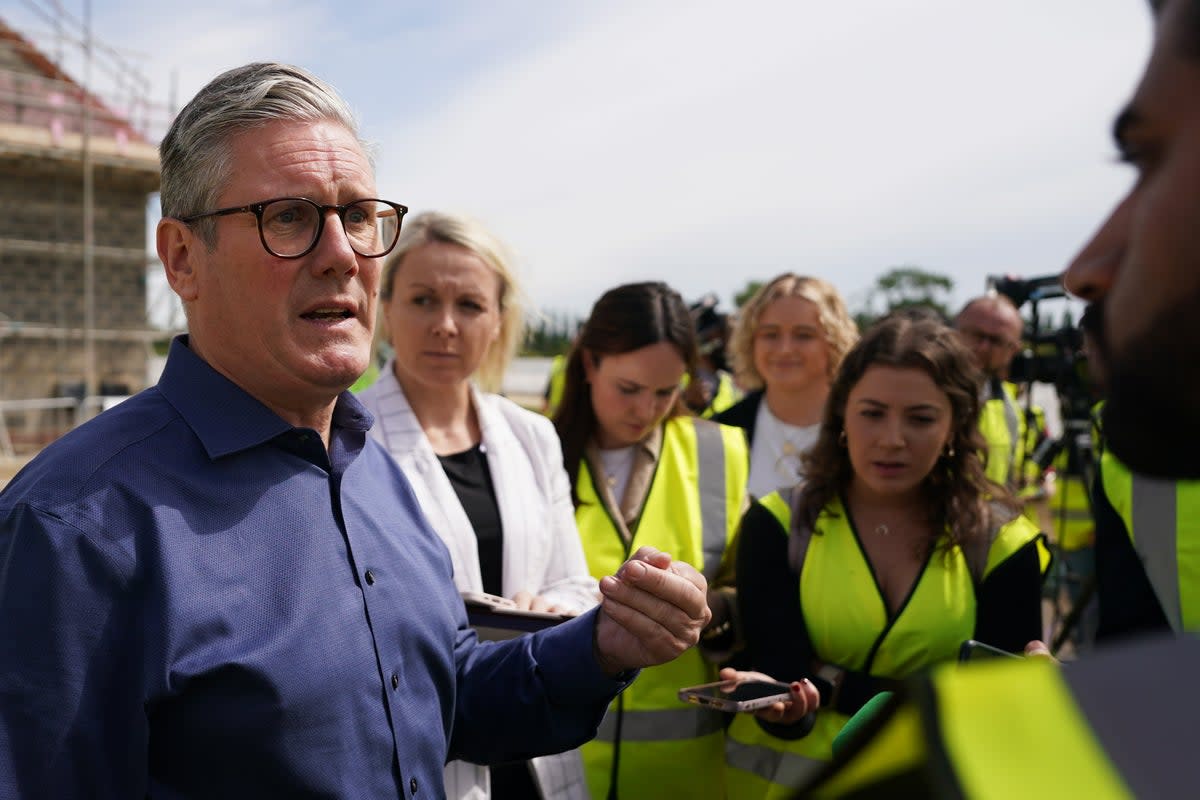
point(1080, 465)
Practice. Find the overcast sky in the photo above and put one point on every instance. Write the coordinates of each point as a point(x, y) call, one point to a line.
point(703, 143)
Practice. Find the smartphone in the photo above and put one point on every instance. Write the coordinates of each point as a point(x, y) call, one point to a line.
point(498, 618)
point(745, 696)
point(972, 650)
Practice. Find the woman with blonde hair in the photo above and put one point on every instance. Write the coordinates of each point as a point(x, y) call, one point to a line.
point(487, 473)
point(787, 343)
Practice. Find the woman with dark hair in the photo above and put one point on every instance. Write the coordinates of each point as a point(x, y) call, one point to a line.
point(643, 472)
point(894, 551)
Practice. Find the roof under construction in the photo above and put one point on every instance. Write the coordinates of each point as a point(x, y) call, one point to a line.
point(46, 114)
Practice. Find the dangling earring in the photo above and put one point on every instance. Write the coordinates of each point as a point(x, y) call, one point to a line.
point(842, 438)
point(949, 450)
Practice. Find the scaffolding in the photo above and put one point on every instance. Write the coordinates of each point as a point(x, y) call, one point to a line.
point(65, 132)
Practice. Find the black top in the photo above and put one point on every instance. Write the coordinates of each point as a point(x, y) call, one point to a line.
point(742, 414)
point(1008, 613)
point(1128, 604)
point(472, 481)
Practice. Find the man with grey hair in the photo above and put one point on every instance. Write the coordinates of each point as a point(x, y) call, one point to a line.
point(991, 327)
point(223, 587)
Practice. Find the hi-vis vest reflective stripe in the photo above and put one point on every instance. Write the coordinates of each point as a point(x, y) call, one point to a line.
point(1001, 729)
point(1162, 518)
point(849, 625)
point(691, 511)
point(1003, 426)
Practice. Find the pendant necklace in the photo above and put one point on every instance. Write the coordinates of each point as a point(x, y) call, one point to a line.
point(882, 529)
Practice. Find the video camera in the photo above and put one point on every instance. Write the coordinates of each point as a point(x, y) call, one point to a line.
point(1055, 356)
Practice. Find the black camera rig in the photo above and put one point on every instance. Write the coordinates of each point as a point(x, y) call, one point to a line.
point(1052, 356)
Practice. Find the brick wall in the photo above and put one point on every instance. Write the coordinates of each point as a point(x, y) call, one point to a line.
point(41, 200)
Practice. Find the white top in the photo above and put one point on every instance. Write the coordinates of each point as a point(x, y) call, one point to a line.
point(543, 553)
point(775, 454)
point(618, 466)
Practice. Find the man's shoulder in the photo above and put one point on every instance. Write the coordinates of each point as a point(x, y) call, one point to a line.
point(111, 447)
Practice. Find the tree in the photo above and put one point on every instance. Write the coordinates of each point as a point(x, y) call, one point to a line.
point(906, 286)
point(550, 333)
point(741, 298)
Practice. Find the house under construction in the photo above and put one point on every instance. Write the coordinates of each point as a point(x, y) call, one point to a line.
point(75, 179)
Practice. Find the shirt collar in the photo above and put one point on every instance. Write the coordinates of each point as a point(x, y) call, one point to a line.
point(650, 447)
point(225, 418)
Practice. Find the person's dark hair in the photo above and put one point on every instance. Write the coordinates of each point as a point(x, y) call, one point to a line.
point(1189, 34)
point(624, 319)
point(1192, 19)
point(957, 492)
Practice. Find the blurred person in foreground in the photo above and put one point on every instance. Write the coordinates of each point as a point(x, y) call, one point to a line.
point(788, 341)
point(646, 473)
point(894, 551)
point(1120, 723)
point(487, 473)
point(223, 587)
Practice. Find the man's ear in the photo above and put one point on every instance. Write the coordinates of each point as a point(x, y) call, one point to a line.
point(180, 249)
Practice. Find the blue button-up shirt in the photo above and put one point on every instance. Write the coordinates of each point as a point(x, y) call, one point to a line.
point(198, 599)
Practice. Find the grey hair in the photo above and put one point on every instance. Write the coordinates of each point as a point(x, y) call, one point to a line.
point(465, 232)
point(196, 152)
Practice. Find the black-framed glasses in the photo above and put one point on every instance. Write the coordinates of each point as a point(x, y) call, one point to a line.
point(976, 336)
point(290, 227)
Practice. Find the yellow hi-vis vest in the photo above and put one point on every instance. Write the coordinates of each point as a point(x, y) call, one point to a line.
point(1069, 509)
point(1162, 518)
point(556, 384)
point(724, 397)
point(849, 626)
point(1002, 424)
point(1115, 726)
point(656, 743)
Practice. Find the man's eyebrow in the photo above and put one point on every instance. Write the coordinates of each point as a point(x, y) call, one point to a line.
point(1128, 118)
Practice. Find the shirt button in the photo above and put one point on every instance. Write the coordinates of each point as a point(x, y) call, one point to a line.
point(395, 681)
point(412, 786)
point(370, 578)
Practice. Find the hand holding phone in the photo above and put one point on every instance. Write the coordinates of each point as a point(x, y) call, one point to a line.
point(747, 695)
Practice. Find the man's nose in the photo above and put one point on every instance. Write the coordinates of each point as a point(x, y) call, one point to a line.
point(333, 253)
point(1092, 272)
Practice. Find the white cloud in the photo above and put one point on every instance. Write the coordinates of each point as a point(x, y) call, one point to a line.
point(710, 143)
point(721, 143)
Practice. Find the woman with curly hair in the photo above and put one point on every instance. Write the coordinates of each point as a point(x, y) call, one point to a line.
point(894, 551)
point(787, 343)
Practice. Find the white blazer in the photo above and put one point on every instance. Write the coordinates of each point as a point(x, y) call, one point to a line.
point(543, 553)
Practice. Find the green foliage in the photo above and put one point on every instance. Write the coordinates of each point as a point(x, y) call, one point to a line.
point(906, 286)
point(551, 335)
point(741, 298)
